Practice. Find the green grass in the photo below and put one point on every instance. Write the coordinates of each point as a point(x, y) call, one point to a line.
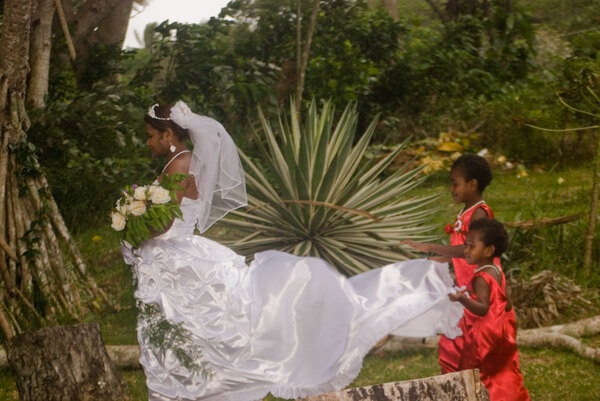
point(549, 374)
point(516, 199)
point(552, 375)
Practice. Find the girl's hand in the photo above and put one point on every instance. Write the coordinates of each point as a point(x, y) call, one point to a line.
point(419, 246)
point(458, 296)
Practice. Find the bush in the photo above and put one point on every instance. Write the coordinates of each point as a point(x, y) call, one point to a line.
point(323, 195)
point(90, 148)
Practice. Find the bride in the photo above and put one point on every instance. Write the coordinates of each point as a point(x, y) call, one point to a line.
point(212, 327)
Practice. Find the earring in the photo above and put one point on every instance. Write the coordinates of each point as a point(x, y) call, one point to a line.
point(172, 148)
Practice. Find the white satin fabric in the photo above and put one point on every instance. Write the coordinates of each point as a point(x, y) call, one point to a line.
point(292, 326)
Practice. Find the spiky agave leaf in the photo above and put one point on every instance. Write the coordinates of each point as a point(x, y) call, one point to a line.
point(326, 198)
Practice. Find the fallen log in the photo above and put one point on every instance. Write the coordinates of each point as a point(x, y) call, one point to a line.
point(563, 336)
point(125, 356)
point(458, 386)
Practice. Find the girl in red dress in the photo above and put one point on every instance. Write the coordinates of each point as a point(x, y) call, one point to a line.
point(489, 338)
point(469, 176)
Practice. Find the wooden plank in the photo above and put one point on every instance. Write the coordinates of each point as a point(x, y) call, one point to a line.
point(458, 386)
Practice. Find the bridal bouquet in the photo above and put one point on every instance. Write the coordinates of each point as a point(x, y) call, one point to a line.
point(146, 209)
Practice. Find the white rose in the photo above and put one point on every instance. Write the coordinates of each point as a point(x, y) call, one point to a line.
point(121, 208)
point(160, 196)
point(118, 221)
point(140, 193)
point(137, 208)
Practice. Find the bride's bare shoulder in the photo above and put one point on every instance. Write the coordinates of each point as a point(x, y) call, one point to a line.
point(179, 165)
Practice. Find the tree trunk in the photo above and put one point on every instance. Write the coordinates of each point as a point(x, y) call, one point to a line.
point(113, 28)
point(41, 44)
point(93, 17)
point(489, 28)
point(42, 274)
point(14, 54)
point(64, 363)
point(298, 44)
point(458, 386)
point(302, 71)
point(392, 7)
point(591, 230)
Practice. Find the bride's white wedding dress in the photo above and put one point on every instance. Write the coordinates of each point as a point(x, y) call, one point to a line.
point(213, 328)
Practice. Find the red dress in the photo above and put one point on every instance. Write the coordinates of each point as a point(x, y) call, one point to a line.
point(449, 351)
point(490, 345)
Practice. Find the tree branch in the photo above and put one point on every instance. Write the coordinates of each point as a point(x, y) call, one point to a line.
point(545, 221)
point(301, 74)
point(436, 9)
point(65, 28)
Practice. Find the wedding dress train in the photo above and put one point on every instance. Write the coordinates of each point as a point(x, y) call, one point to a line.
point(212, 327)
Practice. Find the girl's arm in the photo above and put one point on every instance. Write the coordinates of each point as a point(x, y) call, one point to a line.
point(449, 251)
point(479, 213)
point(479, 306)
point(508, 299)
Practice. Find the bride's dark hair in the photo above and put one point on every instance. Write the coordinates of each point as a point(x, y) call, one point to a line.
point(164, 111)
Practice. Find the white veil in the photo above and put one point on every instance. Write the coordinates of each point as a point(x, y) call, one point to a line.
point(215, 165)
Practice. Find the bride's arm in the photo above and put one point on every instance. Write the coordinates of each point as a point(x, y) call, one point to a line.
point(187, 184)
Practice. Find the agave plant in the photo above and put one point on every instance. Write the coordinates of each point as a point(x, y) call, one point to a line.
point(322, 196)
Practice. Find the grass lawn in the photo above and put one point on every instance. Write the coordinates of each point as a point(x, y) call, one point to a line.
point(549, 374)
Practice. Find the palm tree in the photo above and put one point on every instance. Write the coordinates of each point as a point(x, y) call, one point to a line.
point(326, 198)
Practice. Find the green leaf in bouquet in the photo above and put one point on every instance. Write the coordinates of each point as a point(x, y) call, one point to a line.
point(176, 210)
point(171, 182)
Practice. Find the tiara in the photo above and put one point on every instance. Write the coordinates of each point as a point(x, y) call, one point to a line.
point(152, 114)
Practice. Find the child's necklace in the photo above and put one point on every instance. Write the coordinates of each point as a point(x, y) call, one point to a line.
point(496, 268)
point(458, 223)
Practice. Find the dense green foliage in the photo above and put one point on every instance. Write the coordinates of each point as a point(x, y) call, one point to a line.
point(474, 78)
point(90, 148)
